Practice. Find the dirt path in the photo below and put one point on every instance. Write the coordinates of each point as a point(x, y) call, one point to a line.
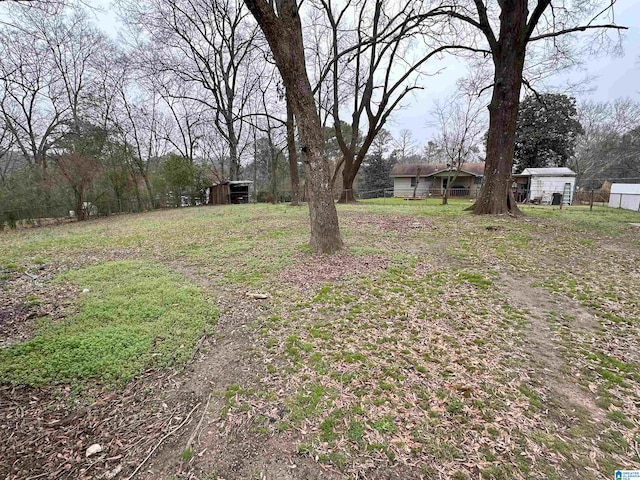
point(543, 344)
point(221, 446)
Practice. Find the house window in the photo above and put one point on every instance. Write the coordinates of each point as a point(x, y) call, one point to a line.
point(477, 181)
point(414, 181)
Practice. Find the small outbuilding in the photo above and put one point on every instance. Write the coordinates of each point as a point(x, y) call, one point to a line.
point(225, 192)
point(625, 195)
point(547, 186)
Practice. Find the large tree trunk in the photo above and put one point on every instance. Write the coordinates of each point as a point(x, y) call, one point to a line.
point(445, 197)
point(325, 231)
point(496, 196)
point(293, 156)
point(450, 181)
point(234, 162)
point(284, 34)
point(348, 177)
point(147, 184)
point(80, 213)
point(274, 172)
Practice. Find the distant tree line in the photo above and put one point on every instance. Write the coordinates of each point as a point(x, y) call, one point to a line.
point(86, 119)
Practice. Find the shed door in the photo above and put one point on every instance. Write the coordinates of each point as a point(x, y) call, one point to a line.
point(566, 195)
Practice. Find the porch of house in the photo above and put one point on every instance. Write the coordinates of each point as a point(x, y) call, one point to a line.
point(465, 185)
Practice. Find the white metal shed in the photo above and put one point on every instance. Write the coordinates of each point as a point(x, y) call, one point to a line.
point(542, 183)
point(625, 195)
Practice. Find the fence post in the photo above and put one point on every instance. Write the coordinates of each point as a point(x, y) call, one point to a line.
point(591, 201)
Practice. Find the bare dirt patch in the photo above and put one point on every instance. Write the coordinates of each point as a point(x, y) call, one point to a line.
point(147, 427)
point(27, 296)
point(46, 432)
point(542, 343)
point(399, 224)
point(311, 271)
point(15, 324)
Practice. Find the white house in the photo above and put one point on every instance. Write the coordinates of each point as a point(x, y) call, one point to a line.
point(431, 179)
point(545, 185)
point(625, 195)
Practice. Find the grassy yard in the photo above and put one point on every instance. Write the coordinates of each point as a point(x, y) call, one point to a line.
point(437, 345)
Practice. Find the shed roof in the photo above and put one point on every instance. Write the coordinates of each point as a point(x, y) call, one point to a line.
point(233, 182)
point(628, 188)
point(547, 172)
point(429, 169)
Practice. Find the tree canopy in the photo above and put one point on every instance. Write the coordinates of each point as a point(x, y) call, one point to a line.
point(547, 132)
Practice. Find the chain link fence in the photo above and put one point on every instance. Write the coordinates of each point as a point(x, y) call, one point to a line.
point(43, 214)
point(54, 213)
point(407, 195)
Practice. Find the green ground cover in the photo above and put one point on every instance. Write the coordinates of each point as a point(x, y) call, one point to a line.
point(133, 315)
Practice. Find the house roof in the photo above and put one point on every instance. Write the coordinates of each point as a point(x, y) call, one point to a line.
point(547, 172)
point(430, 169)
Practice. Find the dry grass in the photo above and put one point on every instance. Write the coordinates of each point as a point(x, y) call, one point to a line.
point(439, 344)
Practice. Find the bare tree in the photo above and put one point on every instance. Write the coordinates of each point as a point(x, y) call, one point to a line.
point(208, 44)
point(32, 102)
point(506, 33)
point(137, 120)
point(185, 131)
point(601, 151)
point(79, 173)
point(274, 146)
point(461, 129)
point(415, 187)
point(282, 28)
point(379, 50)
point(73, 45)
point(47, 78)
point(404, 145)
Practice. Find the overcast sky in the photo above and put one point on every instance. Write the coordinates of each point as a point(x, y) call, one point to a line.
point(615, 77)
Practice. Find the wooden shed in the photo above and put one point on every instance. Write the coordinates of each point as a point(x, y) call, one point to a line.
point(239, 191)
point(218, 194)
point(223, 193)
